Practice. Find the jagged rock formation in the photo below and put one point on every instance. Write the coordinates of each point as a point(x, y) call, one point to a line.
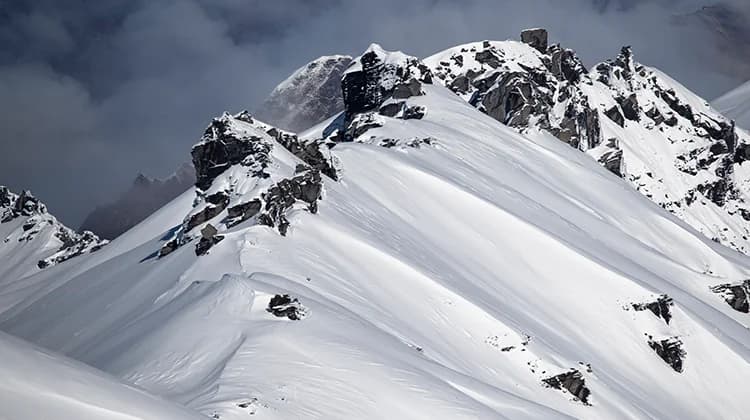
point(26, 223)
point(145, 196)
point(475, 269)
point(247, 170)
point(659, 307)
point(737, 295)
point(573, 382)
point(637, 122)
point(670, 350)
point(310, 95)
point(376, 86)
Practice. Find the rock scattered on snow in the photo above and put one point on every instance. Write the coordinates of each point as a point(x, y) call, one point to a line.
point(69, 243)
point(573, 382)
point(659, 307)
point(286, 306)
point(737, 295)
point(670, 350)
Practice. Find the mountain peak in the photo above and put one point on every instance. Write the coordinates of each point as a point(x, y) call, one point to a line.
point(35, 238)
point(308, 96)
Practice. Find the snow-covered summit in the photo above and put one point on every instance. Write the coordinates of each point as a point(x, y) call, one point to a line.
point(33, 239)
point(639, 123)
point(411, 257)
point(310, 95)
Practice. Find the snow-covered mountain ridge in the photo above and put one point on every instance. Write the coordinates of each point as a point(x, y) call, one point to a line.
point(410, 257)
point(33, 239)
point(639, 123)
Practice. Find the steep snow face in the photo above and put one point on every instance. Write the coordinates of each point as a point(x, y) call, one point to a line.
point(38, 384)
point(736, 105)
point(33, 239)
point(452, 269)
point(310, 95)
point(145, 196)
point(636, 121)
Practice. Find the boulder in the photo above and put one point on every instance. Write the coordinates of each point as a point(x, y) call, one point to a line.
point(573, 382)
point(670, 350)
point(536, 38)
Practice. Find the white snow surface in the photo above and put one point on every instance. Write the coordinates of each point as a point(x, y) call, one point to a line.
point(664, 162)
point(735, 104)
point(38, 384)
point(444, 281)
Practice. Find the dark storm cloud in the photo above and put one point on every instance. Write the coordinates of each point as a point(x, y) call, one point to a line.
point(93, 92)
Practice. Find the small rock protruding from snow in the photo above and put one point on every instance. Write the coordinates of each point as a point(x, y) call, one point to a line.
point(573, 382)
point(659, 307)
point(670, 350)
point(286, 306)
point(737, 295)
point(209, 238)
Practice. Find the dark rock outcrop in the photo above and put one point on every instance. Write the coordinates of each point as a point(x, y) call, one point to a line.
point(378, 75)
point(670, 350)
point(304, 187)
point(37, 219)
point(573, 382)
point(660, 307)
point(223, 146)
point(536, 38)
point(209, 238)
point(286, 306)
point(243, 211)
point(737, 295)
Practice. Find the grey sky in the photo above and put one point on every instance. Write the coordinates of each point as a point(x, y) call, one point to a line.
point(93, 92)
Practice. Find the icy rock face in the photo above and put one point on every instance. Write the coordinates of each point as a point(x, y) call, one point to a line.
point(523, 87)
point(637, 122)
point(35, 223)
point(310, 95)
point(145, 196)
point(247, 170)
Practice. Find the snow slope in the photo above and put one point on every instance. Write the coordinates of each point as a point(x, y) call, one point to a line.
point(38, 384)
point(736, 105)
point(438, 264)
point(32, 239)
point(667, 142)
